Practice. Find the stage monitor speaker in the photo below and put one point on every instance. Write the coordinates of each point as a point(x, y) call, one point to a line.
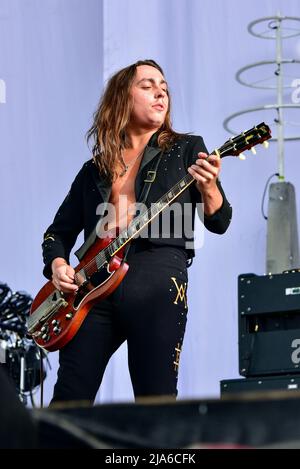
point(232, 422)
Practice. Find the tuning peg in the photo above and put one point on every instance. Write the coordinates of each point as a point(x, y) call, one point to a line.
point(253, 150)
point(242, 156)
point(266, 144)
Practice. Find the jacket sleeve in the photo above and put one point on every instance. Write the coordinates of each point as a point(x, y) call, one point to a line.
point(220, 220)
point(68, 222)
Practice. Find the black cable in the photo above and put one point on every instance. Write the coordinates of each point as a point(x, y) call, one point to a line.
point(264, 194)
point(41, 379)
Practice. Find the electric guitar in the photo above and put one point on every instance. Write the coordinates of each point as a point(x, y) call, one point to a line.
point(55, 317)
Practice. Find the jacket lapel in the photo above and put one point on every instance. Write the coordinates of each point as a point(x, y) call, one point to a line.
point(149, 154)
point(103, 186)
point(104, 189)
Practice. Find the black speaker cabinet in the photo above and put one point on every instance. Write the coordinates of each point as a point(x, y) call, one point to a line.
point(260, 384)
point(269, 324)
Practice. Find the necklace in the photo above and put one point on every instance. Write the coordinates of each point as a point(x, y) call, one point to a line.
point(127, 166)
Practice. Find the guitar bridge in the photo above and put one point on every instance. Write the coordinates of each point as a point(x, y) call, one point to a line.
point(43, 313)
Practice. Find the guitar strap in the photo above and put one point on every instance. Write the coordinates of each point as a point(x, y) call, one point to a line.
point(150, 178)
point(148, 181)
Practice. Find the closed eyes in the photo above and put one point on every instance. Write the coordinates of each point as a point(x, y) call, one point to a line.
point(149, 87)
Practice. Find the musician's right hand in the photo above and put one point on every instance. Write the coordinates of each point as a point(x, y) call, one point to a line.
point(63, 276)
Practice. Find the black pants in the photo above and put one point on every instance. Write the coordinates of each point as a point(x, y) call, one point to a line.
point(148, 310)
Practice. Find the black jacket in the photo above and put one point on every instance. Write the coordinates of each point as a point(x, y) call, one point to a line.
point(79, 209)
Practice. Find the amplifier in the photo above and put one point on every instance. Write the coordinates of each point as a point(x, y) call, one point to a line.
point(269, 324)
point(261, 383)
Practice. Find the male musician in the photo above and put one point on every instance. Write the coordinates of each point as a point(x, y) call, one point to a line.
point(131, 134)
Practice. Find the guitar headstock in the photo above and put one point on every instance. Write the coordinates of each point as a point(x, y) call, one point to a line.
point(245, 141)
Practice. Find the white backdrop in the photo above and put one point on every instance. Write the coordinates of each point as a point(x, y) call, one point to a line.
point(55, 57)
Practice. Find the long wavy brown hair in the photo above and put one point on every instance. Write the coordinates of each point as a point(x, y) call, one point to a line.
point(108, 132)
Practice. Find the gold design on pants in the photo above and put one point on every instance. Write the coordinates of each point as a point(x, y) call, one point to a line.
point(176, 361)
point(181, 292)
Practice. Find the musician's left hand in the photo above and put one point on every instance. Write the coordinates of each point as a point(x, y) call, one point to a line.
point(205, 171)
